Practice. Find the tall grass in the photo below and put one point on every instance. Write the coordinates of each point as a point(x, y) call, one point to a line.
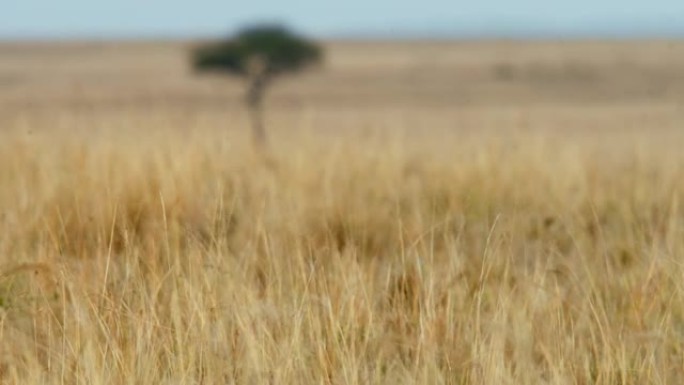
point(162, 257)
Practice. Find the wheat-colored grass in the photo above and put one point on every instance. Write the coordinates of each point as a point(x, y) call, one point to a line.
point(171, 259)
point(152, 246)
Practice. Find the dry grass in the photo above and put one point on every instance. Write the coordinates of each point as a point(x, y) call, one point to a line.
point(154, 248)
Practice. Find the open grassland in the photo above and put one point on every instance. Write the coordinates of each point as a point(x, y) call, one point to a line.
point(404, 229)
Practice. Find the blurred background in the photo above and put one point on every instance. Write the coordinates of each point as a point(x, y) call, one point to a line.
point(431, 64)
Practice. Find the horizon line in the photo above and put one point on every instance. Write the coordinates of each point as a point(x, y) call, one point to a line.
point(512, 33)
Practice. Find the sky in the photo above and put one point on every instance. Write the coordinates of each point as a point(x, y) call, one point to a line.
point(96, 19)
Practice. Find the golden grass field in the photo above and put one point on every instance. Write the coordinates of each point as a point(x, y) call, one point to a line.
point(428, 213)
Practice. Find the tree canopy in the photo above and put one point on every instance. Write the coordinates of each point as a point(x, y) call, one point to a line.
point(260, 50)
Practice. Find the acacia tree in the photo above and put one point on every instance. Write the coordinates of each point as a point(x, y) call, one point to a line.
point(258, 54)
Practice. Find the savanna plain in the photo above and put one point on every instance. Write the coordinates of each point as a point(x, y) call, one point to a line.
point(426, 213)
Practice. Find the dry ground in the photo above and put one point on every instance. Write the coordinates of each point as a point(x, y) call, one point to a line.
point(431, 213)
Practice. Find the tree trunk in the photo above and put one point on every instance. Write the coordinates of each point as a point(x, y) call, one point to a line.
point(255, 97)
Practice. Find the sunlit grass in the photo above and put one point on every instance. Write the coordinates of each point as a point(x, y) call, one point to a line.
point(163, 257)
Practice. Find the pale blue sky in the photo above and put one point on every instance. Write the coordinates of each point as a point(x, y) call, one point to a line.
point(59, 19)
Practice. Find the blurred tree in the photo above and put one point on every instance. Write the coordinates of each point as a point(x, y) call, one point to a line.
point(259, 54)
